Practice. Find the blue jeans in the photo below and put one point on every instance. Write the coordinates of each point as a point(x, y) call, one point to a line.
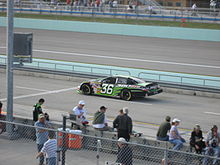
point(178, 143)
point(208, 151)
point(163, 138)
point(51, 161)
point(39, 147)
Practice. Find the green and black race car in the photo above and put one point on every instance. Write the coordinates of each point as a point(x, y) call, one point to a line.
point(124, 87)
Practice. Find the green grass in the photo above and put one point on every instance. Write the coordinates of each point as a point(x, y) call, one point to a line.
point(119, 21)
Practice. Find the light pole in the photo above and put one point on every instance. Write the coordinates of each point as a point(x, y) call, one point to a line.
point(10, 23)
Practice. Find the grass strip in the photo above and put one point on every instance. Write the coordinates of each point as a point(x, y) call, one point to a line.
point(119, 21)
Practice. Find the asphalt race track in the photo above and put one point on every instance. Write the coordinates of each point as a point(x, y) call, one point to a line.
point(62, 95)
point(197, 57)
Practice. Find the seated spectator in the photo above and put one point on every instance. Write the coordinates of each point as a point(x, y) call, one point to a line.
point(100, 120)
point(175, 137)
point(212, 145)
point(163, 129)
point(196, 139)
point(80, 112)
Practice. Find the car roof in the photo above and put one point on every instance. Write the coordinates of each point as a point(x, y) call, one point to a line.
point(122, 76)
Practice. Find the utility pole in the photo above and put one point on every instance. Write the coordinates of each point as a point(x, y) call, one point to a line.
point(10, 15)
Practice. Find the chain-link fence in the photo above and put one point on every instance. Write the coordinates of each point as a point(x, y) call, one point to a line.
point(18, 146)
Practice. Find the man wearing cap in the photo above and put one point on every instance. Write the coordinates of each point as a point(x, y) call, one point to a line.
point(124, 125)
point(175, 137)
point(212, 145)
point(163, 129)
point(80, 112)
point(41, 135)
point(100, 121)
point(124, 153)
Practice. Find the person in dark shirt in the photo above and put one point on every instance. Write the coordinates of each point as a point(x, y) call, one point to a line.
point(196, 139)
point(125, 153)
point(163, 129)
point(123, 124)
point(37, 109)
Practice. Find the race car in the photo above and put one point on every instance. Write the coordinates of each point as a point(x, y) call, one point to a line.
point(124, 87)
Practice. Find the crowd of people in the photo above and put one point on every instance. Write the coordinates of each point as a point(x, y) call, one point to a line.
point(46, 144)
point(168, 131)
point(210, 146)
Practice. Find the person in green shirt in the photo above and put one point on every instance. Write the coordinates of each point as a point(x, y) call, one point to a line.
point(37, 109)
point(163, 129)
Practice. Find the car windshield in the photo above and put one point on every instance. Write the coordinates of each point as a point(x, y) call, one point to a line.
point(137, 80)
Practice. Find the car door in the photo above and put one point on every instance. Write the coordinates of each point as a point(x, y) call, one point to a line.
point(107, 86)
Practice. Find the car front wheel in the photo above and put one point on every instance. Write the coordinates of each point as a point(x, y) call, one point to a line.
point(126, 95)
point(86, 89)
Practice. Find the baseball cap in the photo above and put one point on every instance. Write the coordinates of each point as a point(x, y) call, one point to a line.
point(82, 102)
point(103, 107)
point(122, 140)
point(125, 110)
point(176, 120)
point(41, 116)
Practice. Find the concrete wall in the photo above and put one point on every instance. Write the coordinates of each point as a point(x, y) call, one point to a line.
point(117, 29)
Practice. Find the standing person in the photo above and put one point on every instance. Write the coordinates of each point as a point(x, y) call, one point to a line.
point(124, 153)
point(100, 120)
point(163, 129)
point(50, 149)
point(37, 109)
point(175, 137)
point(196, 139)
point(41, 135)
point(124, 125)
point(80, 112)
point(212, 144)
point(1, 105)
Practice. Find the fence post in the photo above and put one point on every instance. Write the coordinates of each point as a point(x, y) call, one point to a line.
point(98, 151)
point(58, 149)
point(165, 156)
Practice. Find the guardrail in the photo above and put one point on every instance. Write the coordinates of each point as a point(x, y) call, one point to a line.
point(49, 66)
point(121, 11)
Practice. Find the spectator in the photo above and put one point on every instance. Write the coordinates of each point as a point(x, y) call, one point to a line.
point(212, 144)
point(100, 120)
point(196, 139)
point(37, 109)
point(175, 137)
point(124, 153)
point(163, 129)
point(1, 105)
point(123, 123)
point(80, 112)
point(41, 135)
point(50, 149)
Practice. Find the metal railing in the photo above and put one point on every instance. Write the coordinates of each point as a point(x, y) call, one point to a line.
point(56, 66)
point(73, 147)
point(120, 11)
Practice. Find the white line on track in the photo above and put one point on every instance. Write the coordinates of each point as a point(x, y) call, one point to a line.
point(212, 113)
point(127, 102)
point(33, 89)
point(40, 94)
point(127, 59)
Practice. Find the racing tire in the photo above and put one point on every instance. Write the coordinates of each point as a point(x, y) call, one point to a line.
point(126, 95)
point(86, 89)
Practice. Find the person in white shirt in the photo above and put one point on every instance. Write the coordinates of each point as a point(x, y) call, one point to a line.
point(50, 149)
point(80, 112)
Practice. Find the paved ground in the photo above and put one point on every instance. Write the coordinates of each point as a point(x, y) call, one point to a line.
point(61, 97)
point(199, 57)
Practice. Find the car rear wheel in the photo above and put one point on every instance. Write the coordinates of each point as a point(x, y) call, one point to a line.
point(86, 89)
point(126, 95)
